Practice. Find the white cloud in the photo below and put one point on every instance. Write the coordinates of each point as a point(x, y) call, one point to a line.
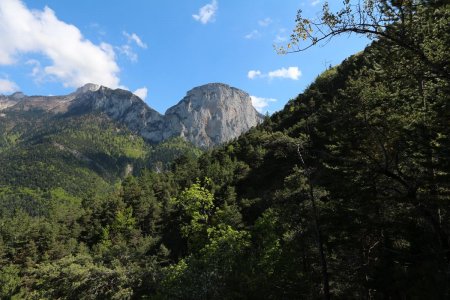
point(260, 103)
point(266, 22)
point(128, 52)
point(253, 35)
point(127, 49)
point(252, 74)
point(141, 93)
point(315, 2)
point(74, 60)
point(290, 73)
point(7, 86)
point(293, 73)
point(207, 13)
point(37, 69)
point(136, 39)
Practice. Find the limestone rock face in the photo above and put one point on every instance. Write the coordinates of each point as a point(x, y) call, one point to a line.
point(122, 106)
point(20, 102)
point(89, 87)
point(209, 115)
point(6, 102)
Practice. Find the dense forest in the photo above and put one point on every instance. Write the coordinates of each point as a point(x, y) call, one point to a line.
point(345, 193)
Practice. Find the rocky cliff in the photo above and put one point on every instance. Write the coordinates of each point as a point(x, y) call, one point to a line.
point(211, 114)
point(208, 115)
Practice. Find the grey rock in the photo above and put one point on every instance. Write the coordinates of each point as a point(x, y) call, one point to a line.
point(18, 95)
point(6, 102)
point(208, 115)
point(122, 106)
point(211, 114)
point(89, 87)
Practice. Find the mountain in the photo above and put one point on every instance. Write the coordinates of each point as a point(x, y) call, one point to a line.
point(209, 115)
point(96, 135)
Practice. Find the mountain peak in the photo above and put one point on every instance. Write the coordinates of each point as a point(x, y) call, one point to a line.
point(212, 87)
point(211, 114)
point(216, 92)
point(18, 95)
point(88, 87)
point(208, 115)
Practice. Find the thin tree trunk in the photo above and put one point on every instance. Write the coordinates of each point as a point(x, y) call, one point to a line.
point(323, 261)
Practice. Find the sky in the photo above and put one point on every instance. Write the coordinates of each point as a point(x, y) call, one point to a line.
point(159, 50)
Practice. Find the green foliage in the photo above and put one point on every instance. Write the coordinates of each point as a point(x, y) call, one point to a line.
point(77, 153)
point(212, 273)
point(78, 277)
point(197, 204)
point(163, 154)
point(9, 281)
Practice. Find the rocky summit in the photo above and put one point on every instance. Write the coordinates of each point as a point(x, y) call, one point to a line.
point(211, 114)
point(208, 115)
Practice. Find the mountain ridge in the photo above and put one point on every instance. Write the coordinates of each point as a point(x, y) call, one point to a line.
point(208, 115)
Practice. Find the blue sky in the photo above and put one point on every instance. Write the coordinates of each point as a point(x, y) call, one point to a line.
point(161, 49)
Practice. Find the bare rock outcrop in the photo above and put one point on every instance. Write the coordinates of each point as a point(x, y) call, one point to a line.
point(208, 115)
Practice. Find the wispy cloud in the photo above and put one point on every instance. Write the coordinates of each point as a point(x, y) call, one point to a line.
point(281, 36)
point(293, 73)
point(37, 69)
point(265, 22)
point(315, 2)
point(141, 93)
point(74, 60)
point(207, 13)
point(7, 86)
point(133, 37)
point(128, 51)
point(260, 103)
point(37, 72)
point(101, 31)
point(253, 35)
point(280, 39)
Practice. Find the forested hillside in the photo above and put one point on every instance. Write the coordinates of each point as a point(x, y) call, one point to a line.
point(71, 152)
point(342, 194)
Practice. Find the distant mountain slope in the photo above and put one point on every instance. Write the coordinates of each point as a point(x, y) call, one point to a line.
point(77, 153)
point(95, 135)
